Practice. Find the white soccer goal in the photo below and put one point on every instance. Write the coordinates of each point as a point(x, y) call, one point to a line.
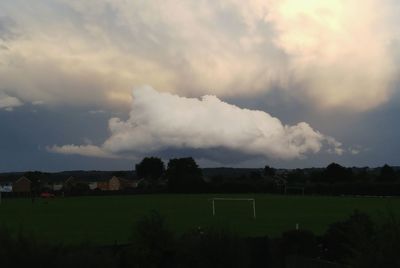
point(234, 199)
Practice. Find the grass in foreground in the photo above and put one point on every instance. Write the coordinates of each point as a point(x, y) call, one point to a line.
point(110, 219)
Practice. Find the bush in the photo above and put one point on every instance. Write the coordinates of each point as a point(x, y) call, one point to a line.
point(212, 248)
point(383, 247)
point(153, 244)
point(26, 251)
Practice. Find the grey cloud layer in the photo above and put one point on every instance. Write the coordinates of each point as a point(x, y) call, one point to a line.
point(160, 121)
point(334, 53)
point(8, 103)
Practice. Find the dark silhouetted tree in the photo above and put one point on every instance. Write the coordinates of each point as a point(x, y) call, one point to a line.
point(255, 176)
point(150, 168)
point(387, 174)
point(37, 178)
point(343, 239)
point(212, 247)
point(299, 243)
point(297, 176)
point(383, 248)
point(153, 243)
point(336, 173)
point(184, 175)
point(79, 188)
point(269, 171)
point(363, 175)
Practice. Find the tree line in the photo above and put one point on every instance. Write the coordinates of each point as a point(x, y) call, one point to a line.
point(184, 175)
point(181, 174)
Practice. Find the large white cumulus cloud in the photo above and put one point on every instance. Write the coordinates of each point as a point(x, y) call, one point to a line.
point(159, 121)
point(334, 53)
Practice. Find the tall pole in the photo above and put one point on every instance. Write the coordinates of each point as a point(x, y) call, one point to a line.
point(254, 208)
point(213, 207)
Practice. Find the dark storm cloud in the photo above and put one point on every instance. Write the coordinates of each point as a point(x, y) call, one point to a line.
point(99, 50)
point(7, 28)
point(26, 131)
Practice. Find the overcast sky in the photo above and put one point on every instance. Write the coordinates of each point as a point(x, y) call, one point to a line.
point(100, 84)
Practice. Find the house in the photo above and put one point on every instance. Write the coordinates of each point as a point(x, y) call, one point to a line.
point(51, 185)
point(129, 183)
point(93, 185)
point(57, 186)
point(114, 184)
point(69, 183)
point(22, 185)
point(102, 185)
point(6, 187)
point(46, 186)
point(135, 183)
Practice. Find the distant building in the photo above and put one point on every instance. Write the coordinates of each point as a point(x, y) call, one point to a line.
point(46, 186)
point(69, 183)
point(135, 183)
point(22, 185)
point(6, 187)
point(57, 186)
point(102, 185)
point(116, 184)
point(93, 185)
point(51, 185)
point(71, 180)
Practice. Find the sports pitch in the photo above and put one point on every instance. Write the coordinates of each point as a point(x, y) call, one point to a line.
point(110, 219)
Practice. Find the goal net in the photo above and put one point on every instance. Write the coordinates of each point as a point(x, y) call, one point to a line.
point(214, 201)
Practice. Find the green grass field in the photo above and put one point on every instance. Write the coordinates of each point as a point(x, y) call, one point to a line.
point(109, 219)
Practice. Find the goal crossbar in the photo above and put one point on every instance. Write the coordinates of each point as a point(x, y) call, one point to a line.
point(234, 199)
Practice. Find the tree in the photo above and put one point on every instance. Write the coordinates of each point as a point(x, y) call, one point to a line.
point(150, 168)
point(299, 243)
point(344, 239)
point(360, 242)
point(383, 249)
point(255, 176)
point(184, 175)
point(387, 174)
point(269, 171)
point(297, 176)
point(153, 243)
point(212, 247)
point(79, 188)
point(335, 172)
point(36, 178)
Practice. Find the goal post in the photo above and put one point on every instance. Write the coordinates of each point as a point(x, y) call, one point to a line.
point(252, 200)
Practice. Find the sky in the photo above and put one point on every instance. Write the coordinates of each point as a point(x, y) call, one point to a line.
point(100, 84)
